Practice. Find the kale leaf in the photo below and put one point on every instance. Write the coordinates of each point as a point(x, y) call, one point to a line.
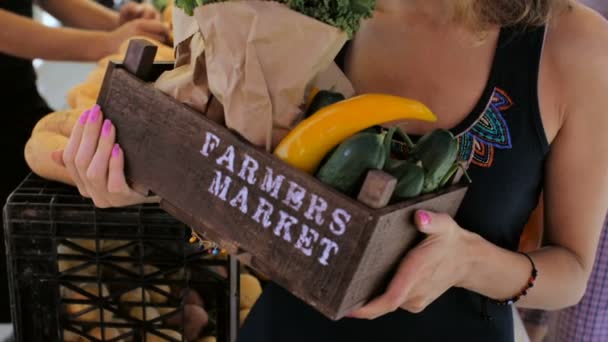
point(343, 14)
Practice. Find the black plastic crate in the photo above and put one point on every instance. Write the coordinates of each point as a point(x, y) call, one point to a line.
point(128, 274)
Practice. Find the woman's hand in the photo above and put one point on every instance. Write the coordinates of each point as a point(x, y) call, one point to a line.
point(435, 265)
point(132, 10)
point(96, 163)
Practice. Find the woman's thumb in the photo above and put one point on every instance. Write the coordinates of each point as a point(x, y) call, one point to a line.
point(430, 223)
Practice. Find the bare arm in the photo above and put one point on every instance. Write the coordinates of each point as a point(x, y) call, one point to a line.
point(83, 14)
point(26, 38)
point(87, 14)
point(576, 188)
point(23, 37)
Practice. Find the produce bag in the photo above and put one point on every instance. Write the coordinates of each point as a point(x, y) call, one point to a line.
point(261, 59)
point(187, 82)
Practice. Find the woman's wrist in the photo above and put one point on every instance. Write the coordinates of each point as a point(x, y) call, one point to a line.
point(493, 271)
point(470, 260)
point(105, 45)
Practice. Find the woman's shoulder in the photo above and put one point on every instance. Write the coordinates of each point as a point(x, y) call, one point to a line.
point(578, 27)
point(575, 57)
point(577, 41)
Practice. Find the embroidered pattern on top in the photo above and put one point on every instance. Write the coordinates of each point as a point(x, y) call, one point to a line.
point(478, 144)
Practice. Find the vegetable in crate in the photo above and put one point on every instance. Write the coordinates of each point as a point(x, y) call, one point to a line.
point(438, 151)
point(410, 179)
point(322, 99)
point(409, 175)
point(308, 143)
point(428, 165)
point(343, 14)
point(347, 166)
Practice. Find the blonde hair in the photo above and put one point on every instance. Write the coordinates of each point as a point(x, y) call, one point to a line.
point(485, 13)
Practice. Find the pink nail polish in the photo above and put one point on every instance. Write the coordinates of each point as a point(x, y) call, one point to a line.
point(94, 115)
point(107, 128)
point(84, 117)
point(424, 217)
point(115, 150)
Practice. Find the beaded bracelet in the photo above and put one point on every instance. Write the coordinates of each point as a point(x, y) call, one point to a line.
point(529, 285)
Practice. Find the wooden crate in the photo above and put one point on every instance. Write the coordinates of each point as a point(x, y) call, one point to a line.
point(331, 251)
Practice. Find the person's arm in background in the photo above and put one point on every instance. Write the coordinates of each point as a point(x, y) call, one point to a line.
point(71, 44)
point(88, 14)
point(26, 38)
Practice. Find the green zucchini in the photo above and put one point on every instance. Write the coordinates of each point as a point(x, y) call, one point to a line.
point(388, 148)
point(322, 99)
point(346, 168)
point(396, 147)
point(410, 178)
point(437, 151)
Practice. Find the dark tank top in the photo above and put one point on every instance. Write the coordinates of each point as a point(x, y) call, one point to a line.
point(504, 144)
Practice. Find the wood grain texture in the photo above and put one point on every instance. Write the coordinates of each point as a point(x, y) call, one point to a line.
point(162, 140)
point(377, 189)
point(140, 58)
point(329, 250)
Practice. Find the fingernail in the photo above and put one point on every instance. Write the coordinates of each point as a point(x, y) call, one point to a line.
point(424, 217)
point(84, 117)
point(94, 115)
point(107, 128)
point(115, 150)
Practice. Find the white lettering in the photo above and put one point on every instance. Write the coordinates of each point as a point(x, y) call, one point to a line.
point(241, 200)
point(305, 241)
point(211, 143)
point(316, 209)
point(218, 187)
point(295, 196)
point(265, 208)
point(340, 219)
point(285, 223)
point(272, 185)
point(329, 246)
point(227, 158)
point(248, 169)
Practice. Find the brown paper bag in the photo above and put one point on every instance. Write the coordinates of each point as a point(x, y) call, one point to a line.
point(187, 82)
point(260, 61)
point(261, 57)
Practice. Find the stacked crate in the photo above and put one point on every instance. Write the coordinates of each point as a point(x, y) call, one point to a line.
point(78, 273)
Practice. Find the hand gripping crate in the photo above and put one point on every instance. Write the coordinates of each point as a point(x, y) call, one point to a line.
point(78, 273)
point(331, 251)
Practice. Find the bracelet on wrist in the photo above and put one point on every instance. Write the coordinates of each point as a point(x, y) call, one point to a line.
point(529, 284)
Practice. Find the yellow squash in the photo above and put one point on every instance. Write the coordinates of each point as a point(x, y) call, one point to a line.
point(307, 144)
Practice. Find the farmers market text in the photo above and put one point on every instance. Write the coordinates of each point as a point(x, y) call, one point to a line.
point(236, 175)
